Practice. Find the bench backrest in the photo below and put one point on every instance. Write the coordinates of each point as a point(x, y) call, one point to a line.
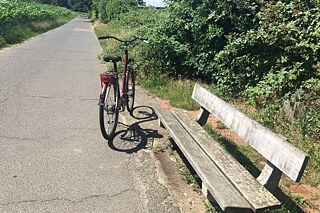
point(287, 158)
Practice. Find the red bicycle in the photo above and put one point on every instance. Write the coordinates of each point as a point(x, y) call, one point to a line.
point(111, 102)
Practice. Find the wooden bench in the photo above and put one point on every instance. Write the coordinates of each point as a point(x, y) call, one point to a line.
point(233, 188)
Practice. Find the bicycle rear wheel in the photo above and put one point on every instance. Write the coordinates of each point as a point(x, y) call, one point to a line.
point(109, 111)
point(130, 90)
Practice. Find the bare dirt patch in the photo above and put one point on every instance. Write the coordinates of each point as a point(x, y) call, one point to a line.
point(165, 104)
point(187, 196)
point(309, 192)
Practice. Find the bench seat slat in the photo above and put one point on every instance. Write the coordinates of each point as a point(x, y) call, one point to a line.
point(258, 196)
point(228, 198)
point(278, 151)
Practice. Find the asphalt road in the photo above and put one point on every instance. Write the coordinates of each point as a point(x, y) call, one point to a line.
point(52, 155)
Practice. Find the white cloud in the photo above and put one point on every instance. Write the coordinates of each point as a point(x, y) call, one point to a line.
point(157, 3)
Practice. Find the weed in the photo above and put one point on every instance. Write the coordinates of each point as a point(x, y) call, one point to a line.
point(164, 147)
point(189, 178)
point(299, 199)
point(315, 197)
point(210, 208)
point(186, 174)
point(221, 125)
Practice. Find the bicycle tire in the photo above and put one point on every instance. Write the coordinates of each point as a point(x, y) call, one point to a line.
point(130, 90)
point(109, 111)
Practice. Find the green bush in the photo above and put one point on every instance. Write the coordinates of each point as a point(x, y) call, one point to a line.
point(191, 33)
point(266, 51)
point(116, 7)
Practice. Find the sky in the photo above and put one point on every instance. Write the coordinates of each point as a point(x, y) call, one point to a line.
point(157, 3)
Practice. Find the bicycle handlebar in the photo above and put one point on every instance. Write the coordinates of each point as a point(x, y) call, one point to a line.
point(124, 41)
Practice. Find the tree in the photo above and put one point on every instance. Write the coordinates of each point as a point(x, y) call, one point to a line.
point(80, 5)
point(116, 7)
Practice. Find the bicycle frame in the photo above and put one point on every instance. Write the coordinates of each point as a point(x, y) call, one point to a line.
point(125, 73)
point(126, 68)
point(105, 78)
point(111, 102)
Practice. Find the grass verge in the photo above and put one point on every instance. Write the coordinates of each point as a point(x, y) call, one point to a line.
point(10, 35)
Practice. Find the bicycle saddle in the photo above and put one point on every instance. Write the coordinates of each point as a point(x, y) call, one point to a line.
point(112, 58)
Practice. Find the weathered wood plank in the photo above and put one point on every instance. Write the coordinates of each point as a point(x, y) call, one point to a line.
point(258, 196)
point(228, 198)
point(290, 160)
point(270, 176)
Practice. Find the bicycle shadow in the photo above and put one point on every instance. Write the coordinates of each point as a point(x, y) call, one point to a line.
point(133, 138)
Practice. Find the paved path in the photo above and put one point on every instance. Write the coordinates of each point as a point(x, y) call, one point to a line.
point(53, 157)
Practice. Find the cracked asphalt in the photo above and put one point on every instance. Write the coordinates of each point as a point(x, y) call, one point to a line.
point(53, 157)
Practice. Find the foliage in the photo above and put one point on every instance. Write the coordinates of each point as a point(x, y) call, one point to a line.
point(116, 7)
point(199, 34)
point(136, 22)
point(101, 9)
point(106, 10)
point(18, 12)
point(79, 5)
point(265, 51)
point(21, 20)
point(75, 5)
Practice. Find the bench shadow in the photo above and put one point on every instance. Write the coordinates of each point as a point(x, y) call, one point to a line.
point(288, 205)
point(233, 149)
point(133, 138)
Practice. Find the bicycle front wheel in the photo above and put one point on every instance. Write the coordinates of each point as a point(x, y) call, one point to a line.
point(130, 90)
point(109, 111)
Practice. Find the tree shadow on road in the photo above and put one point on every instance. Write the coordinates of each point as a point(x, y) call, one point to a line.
point(132, 138)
